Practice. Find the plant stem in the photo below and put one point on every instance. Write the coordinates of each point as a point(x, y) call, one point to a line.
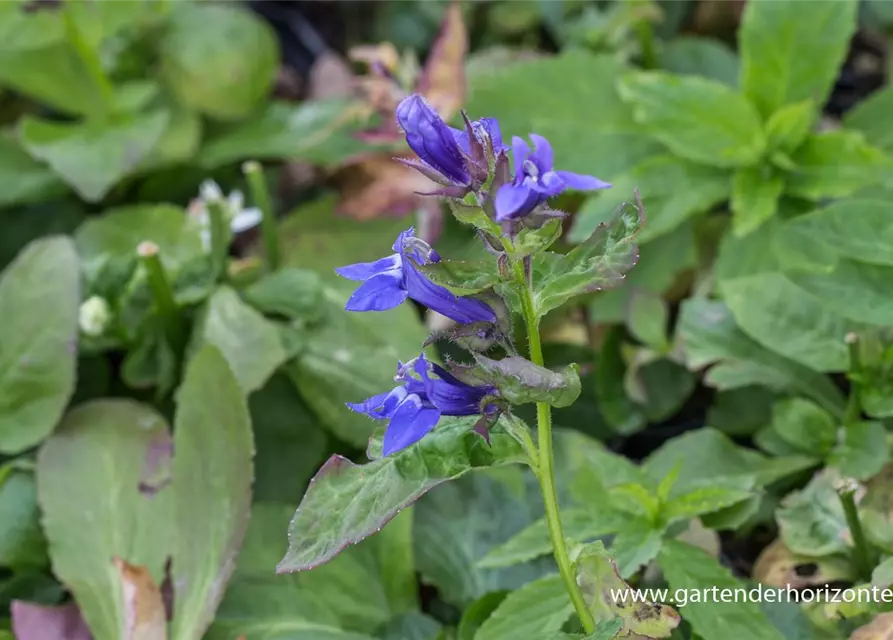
point(162, 292)
point(220, 236)
point(546, 460)
point(260, 196)
point(645, 31)
point(854, 404)
point(862, 555)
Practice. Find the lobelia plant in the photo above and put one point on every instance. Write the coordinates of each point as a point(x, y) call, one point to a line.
point(443, 421)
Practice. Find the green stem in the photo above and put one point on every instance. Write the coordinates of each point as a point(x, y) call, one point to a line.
point(546, 460)
point(260, 196)
point(854, 404)
point(645, 31)
point(862, 554)
point(220, 236)
point(162, 292)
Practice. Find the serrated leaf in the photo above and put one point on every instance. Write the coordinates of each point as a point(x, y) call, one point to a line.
point(530, 613)
point(687, 567)
point(699, 56)
point(812, 521)
point(94, 509)
point(37, 361)
point(520, 381)
point(634, 546)
point(870, 117)
point(835, 164)
point(705, 500)
point(755, 194)
point(862, 452)
point(788, 127)
point(92, 157)
point(710, 336)
point(601, 262)
point(462, 277)
point(347, 502)
point(607, 596)
point(696, 118)
point(853, 289)
point(212, 475)
point(788, 55)
point(805, 426)
point(249, 342)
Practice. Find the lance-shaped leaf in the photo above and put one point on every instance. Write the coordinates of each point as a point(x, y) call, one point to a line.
point(599, 581)
point(520, 381)
point(601, 262)
point(347, 502)
point(462, 277)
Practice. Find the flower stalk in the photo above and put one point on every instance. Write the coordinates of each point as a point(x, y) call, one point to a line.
point(546, 459)
point(854, 403)
point(863, 560)
point(162, 292)
point(260, 196)
point(220, 234)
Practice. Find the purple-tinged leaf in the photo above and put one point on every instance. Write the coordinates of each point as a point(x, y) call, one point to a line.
point(36, 622)
point(601, 262)
point(346, 502)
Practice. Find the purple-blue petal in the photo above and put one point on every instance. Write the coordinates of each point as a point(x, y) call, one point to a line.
point(379, 293)
point(513, 201)
point(548, 185)
point(520, 151)
point(495, 133)
point(408, 425)
point(443, 301)
point(365, 270)
point(432, 139)
point(404, 235)
point(581, 182)
point(542, 155)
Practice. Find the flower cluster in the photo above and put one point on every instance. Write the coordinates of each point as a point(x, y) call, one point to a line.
point(471, 162)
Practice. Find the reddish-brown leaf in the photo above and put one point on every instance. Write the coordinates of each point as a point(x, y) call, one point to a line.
point(442, 80)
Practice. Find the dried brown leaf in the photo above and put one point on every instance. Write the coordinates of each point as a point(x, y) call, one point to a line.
point(144, 613)
point(380, 186)
point(778, 566)
point(442, 80)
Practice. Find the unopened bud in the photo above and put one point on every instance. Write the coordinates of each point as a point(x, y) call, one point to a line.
point(94, 316)
point(146, 249)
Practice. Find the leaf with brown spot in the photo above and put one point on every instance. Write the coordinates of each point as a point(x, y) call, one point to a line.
point(881, 628)
point(144, 615)
point(442, 80)
point(778, 566)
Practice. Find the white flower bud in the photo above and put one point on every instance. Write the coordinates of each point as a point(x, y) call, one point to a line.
point(94, 316)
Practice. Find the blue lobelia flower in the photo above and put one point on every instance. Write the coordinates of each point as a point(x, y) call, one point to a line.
point(536, 180)
point(389, 281)
point(448, 156)
point(426, 393)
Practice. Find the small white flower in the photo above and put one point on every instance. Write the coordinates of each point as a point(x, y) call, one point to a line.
point(240, 218)
point(94, 316)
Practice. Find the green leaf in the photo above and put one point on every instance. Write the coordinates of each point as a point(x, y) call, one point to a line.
point(805, 426)
point(349, 594)
point(755, 194)
point(648, 319)
point(249, 342)
point(463, 278)
point(22, 179)
point(812, 521)
point(212, 474)
point(857, 291)
point(293, 293)
point(580, 525)
point(637, 544)
point(290, 442)
point(697, 119)
point(622, 414)
point(658, 385)
point(788, 55)
point(530, 613)
point(675, 190)
point(853, 228)
point(863, 451)
point(477, 613)
point(871, 117)
point(707, 499)
point(92, 157)
point(39, 298)
point(711, 337)
point(687, 567)
point(22, 545)
point(788, 127)
point(520, 381)
point(606, 629)
point(412, 626)
point(347, 502)
point(318, 131)
point(218, 60)
point(118, 232)
point(701, 57)
point(606, 594)
point(94, 508)
point(458, 523)
point(561, 93)
point(835, 164)
point(601, 262)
